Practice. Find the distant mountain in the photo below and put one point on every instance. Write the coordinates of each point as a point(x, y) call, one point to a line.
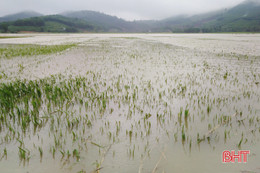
point(50, 23)
point(108, 23)
point(21, 15)
point(245, 17)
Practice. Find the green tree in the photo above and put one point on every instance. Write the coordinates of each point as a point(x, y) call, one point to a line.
point(4, 27)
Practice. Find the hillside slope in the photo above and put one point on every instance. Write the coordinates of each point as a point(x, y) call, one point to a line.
point(244, 17)
point(51, 23)
point(20, 15)
point(108, 23)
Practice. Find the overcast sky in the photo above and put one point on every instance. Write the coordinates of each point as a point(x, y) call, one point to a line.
point(127, 9)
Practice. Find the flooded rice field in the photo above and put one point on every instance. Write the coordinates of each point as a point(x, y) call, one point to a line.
point(129, 102)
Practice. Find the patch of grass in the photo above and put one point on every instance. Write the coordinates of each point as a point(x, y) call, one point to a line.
point(129, 38)
point(31, 50)
point(6, 37)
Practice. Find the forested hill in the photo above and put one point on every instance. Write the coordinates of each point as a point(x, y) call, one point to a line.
point(244, 17)
point(20, 15)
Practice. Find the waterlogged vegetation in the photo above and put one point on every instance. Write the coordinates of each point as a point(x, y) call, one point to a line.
point(9, 51)
point(132, 105)
point(6, 37)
